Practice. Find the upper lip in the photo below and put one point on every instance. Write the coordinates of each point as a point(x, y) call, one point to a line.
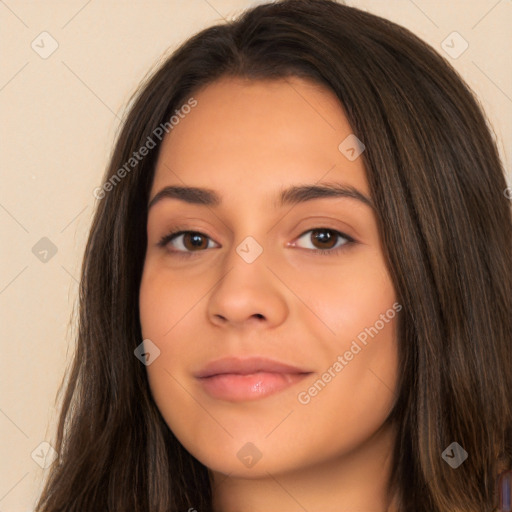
point(245, 366)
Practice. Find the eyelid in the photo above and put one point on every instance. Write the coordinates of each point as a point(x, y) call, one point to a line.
point(339, 233)
point(333, 251)
point(178, 231)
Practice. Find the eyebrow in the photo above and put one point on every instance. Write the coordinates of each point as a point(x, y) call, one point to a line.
point(290, 196)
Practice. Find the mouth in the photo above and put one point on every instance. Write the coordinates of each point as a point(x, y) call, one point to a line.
point(236, 380)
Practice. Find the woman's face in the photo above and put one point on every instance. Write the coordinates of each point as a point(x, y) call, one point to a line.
point(247, 283)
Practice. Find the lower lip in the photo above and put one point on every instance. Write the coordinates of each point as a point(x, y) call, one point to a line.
point(236, 388)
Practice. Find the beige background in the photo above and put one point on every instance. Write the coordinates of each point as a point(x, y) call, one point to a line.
point(60, 115)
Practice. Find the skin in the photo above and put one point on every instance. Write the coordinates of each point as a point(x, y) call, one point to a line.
point(247, 140)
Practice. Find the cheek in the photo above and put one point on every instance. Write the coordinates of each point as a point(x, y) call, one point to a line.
point(361, 310)
point(164, 301)
point(353, 298)
point(357, 388)
point(154, 300)
point(163, 317)
point(166, 308)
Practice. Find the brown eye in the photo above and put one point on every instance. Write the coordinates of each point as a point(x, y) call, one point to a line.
point(193, 240)
point(326, 240)
point(185, 242)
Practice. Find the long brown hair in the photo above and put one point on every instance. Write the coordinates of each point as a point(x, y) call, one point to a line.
point(439, 188)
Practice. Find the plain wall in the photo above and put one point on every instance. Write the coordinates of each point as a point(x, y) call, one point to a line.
point(59, 117)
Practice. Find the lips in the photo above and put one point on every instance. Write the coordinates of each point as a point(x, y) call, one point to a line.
point(235, 379)
point(246, 366)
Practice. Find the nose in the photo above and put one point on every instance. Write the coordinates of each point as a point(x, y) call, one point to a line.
point(248, 293)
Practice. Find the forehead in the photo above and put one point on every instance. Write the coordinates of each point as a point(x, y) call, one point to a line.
point(260, 134)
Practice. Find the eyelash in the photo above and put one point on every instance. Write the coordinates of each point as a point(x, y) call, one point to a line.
point(186, 254)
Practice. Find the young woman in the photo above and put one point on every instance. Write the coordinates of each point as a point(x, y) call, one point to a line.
point(296, 292)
